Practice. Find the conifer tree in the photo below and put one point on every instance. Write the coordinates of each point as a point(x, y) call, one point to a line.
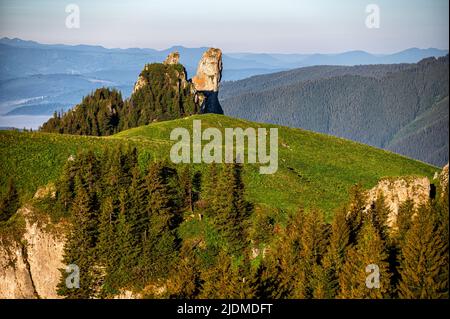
point(163, 209)
point(127, 243)
point(196, 186)
point(80, 246)
point(404, 220)
point(356, 211)
point(184, 279)
point(230, 209)
point(335, 255)
point(135, 227)
point(65, 185)
point(441, 206)
point(370, 251)
point(379, 213)
point(282, 264)
point(107, 226)
point(9, 203)
point(225, 280)
point(424, 264)
point(209, 190)
point(313, 244)
point(111, 171)
point(89, 171)
point(187, 188)
point(322, 286)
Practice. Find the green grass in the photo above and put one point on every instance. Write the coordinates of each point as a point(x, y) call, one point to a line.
point(314, 169)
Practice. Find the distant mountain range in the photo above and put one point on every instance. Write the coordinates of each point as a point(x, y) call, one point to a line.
point(399, 107)
point(37, 79)
point(22, 58)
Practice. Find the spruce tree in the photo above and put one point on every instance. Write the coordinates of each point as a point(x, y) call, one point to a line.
point(404, 220)
point(230, 210)
point(187, 188)
point(322, 286)
point(226, 280)
point(184, 279)
point(379, 213)
point(209, 191)
point(335, 255)
point(163, 210)
point(283, 262)
point(107, 223)
point(424, 264)
point(127, 243)
point(80, 245)
point(65, 185)
point(356, 210)
point(313, 244)
point(370, 251)
point(9, 203)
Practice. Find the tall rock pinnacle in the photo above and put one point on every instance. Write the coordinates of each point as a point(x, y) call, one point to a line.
point(172, 58)
point(209, 71)
point(207, 79)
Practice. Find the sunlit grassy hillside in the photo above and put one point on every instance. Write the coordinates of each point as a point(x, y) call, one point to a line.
point(314, 169)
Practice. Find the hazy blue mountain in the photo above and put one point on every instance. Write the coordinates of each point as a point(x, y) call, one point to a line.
point(51, 88)
point(20, 58)
point(289, 61)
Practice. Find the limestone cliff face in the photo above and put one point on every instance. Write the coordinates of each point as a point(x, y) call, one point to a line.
point(443, 179)
point(207, 79)
point(29, 268)
point(209, 71)
point(140, 83)
point(397, 191)
point(15, 280)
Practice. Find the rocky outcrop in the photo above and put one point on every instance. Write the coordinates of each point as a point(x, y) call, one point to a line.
point(45, 191)
point(140, 83)
point(127, 294)
point(172, 58)
point(204, 86)
point(209, 71)
point(29, 268)
point(443, 179)
point(207, 79)
point(397, 190)
point(15, 279)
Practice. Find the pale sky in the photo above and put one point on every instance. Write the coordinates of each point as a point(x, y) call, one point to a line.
point(283, 26)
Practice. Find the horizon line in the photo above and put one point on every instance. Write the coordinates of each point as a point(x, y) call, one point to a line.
point(225, 52)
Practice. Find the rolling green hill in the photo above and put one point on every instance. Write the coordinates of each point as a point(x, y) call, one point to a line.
point(314, 169)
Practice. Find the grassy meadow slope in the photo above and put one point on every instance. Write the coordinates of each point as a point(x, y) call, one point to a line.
point(314, 169)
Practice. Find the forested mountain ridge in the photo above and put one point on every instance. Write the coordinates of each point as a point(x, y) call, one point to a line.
point(369, 104)
point(162, 92)
point(279, 79)
point(97, 114)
